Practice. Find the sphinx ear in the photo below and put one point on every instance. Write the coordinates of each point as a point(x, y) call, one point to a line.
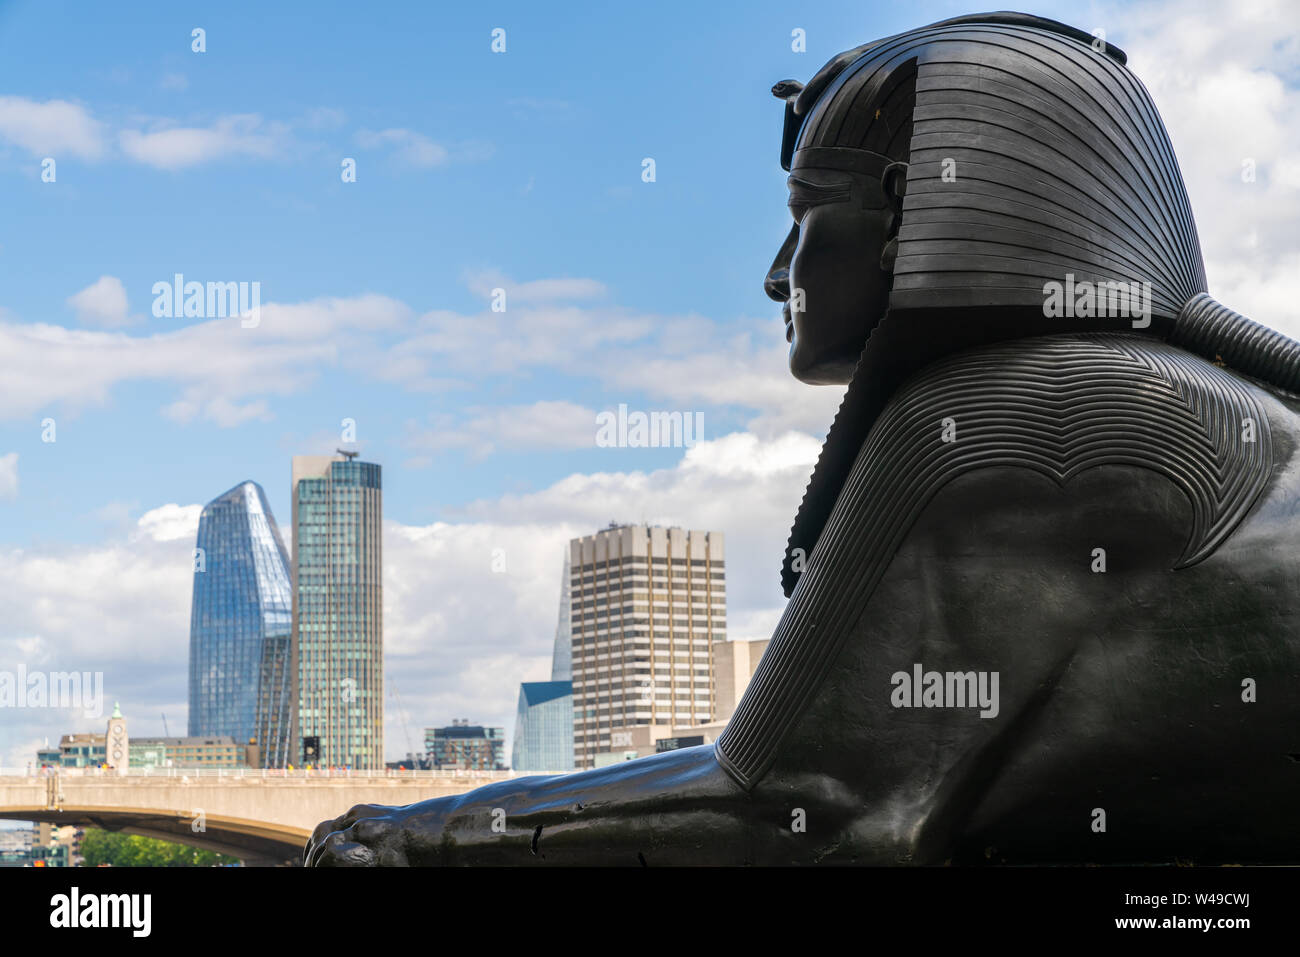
point(893, 183)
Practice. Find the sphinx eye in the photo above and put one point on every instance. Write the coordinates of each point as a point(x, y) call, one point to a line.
point(804, 196)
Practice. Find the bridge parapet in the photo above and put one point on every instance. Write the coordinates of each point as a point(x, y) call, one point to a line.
point(261, 814)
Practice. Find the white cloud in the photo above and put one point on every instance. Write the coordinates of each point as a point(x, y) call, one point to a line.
point(748, 370)
point(554, 335)
point(9, 475)
point(116, 603)
point(227, 373)
point(102, 303)
point(174, 82)
point(547, 424)
point(168, 523)
point(53, 128)
point(218, 362)
point(323, 118)
point(415, 149)
point(174, 148)
point(1224, 80)
point(217, 409)
point(60, 128)
point(484, 282)
point(320, 319)
point(120, 608)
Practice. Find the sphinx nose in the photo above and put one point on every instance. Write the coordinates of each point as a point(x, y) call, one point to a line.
point(777, 284)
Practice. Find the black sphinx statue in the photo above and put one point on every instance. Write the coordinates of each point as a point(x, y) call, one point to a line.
point(1045, 581)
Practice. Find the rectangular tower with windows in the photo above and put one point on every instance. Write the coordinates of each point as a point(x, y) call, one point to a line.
point(338, 637)
point(646, 606)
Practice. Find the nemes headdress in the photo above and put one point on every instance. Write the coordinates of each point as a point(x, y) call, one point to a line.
point(1036, 161)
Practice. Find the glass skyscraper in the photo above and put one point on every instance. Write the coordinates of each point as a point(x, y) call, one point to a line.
point(544, 719)
point(562, 653)
point(240, 626)
point(543, 727)
point(338, 609)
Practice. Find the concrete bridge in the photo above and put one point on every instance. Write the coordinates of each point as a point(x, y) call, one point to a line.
point(263, 817)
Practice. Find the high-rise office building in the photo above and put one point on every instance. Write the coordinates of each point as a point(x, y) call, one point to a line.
point(647, 604)
point(240, 629)
point(543, 727)
point(734, 664)
point(338, 641)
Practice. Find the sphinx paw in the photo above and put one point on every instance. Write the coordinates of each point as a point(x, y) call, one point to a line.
point(369, 835)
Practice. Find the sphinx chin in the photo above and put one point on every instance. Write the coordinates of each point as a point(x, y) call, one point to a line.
point(825, 366)
point(822, 373)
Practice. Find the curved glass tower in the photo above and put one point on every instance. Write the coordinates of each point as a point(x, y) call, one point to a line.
point(241, 626)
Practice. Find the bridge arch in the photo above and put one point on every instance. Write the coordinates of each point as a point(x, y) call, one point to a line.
point(256, 843)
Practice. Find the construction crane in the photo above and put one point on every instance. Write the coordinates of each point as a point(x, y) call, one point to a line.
point(401, 713)
point(166, 733)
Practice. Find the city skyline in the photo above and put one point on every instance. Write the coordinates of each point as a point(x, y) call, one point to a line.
point(243, 632)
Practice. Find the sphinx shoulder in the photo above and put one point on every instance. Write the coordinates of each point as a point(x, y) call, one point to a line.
point(1062, 405)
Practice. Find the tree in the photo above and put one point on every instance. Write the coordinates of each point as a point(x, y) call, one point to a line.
point(132, 850)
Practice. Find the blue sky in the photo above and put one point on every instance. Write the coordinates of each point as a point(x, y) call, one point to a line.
point(543, 180)
point(475, 170)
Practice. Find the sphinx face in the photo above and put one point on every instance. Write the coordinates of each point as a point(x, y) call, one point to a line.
point(828, 273)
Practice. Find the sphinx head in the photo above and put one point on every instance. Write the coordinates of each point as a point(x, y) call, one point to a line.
point(833, 272)
point(945, 176)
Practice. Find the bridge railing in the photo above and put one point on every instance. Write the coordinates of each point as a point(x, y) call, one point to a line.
point(448, 775)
